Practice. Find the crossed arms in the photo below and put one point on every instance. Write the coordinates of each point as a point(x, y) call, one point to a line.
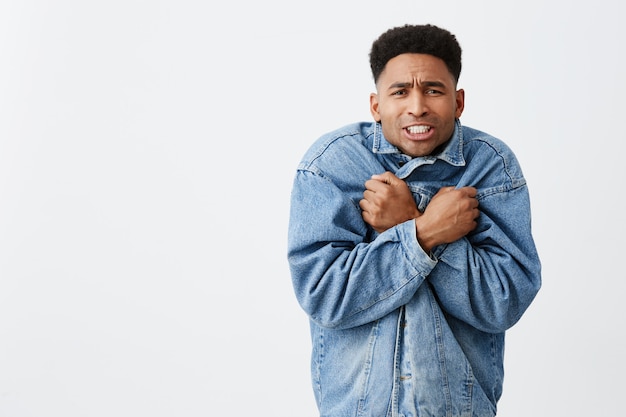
point(450, 215)
point(487, 270)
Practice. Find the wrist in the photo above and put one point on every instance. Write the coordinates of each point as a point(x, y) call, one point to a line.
point(425, 240)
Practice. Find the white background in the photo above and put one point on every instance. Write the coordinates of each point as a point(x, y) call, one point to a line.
point(147, 150)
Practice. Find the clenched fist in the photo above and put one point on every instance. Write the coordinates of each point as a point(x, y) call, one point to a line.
point(450, 215)
point(387, 201)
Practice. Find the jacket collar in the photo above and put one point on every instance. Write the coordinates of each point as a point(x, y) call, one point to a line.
point(451, 153)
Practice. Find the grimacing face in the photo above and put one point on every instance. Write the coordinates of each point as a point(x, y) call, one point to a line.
point(416, 103)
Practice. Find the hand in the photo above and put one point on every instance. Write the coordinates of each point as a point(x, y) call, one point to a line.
point(450, 215)
point(387, 201)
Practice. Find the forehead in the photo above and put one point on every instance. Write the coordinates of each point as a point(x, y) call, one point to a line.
point(405, 67)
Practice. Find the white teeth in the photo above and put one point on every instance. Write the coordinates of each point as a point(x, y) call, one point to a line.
point(418, 129)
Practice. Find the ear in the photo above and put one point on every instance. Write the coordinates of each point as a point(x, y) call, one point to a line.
point(374, 107)
point(460, 102)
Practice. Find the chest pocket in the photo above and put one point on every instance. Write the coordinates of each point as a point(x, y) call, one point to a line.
point(421, 195)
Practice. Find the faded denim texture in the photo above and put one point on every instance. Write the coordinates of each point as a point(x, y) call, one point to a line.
point(397, 331)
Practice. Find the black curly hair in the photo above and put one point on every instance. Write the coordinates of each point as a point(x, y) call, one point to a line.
point(418, 39)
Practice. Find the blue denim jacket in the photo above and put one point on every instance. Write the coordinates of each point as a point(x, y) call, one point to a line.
point(397, 331)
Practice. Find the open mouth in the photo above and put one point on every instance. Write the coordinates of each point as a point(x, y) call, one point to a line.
point(418, 129)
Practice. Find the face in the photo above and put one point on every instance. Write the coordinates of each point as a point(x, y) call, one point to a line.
point(416, 103)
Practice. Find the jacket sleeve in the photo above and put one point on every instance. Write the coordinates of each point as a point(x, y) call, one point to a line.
point(341, 278)
point(489, 278)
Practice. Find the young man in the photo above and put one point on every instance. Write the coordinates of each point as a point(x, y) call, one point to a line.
point(410, 245)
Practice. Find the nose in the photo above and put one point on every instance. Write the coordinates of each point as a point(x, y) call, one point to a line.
point(418, 104)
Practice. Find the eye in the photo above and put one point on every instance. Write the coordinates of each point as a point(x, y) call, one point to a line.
point(433, 92)
point(399, 93)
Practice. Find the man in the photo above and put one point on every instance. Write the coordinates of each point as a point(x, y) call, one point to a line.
point(410, 245)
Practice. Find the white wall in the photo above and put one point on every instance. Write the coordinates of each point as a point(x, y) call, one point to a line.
point(146, 156)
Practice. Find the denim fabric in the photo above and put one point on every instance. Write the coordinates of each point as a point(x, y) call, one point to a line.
point(397, 331)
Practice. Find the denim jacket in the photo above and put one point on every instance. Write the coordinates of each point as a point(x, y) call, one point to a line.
point(397, 331)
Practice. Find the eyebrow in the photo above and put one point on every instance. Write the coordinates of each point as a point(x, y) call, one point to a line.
point(410, 84)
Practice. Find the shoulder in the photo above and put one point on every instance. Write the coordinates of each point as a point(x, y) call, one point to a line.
point(484, 150)
point(338, 147)
point(473, 138)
